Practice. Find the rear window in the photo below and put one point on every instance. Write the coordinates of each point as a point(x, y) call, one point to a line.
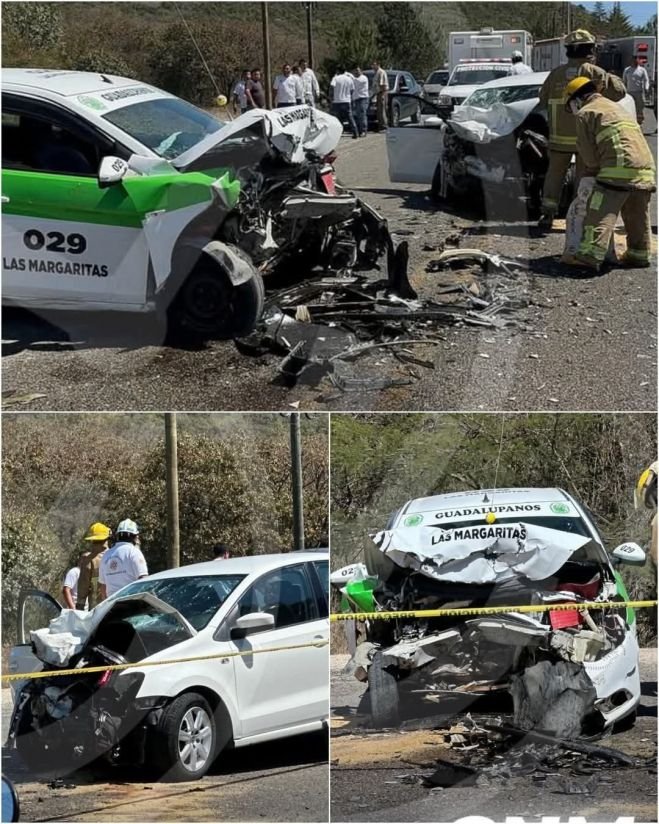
point(469, 76)
point(197, 598)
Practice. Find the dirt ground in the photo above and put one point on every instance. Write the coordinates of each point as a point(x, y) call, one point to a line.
point(577, 333)
point(375, 776)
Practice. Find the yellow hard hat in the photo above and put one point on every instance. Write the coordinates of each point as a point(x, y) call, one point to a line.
point(579, 36)
point(98, 532)
point(573, 87)
point(645, 493)
point(221, 101)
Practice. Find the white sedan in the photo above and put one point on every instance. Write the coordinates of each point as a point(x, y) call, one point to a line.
point(497, 139)
point(176, 717)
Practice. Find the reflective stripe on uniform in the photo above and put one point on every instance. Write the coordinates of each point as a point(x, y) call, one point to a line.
point(589, 248)
point(640, 255)
point(615, 129)
point(563, 140)
point(622, 173)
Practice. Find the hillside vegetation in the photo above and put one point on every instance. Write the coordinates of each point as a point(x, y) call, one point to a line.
point(63, 472)
point(153, 41)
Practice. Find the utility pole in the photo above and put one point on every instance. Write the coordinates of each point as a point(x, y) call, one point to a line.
point(266, 55)
point(296, 477)
point(309, 7)
point(569, 18)
point(171, 461)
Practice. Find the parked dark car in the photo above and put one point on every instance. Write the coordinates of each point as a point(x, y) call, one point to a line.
point(401, 85)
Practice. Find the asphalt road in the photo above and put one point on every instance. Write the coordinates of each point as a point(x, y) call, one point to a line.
point(582, 344)
point(372, 775)
point(284, 780)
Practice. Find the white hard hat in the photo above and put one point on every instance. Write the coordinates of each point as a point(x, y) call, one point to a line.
point(518, 54)
point(128, 526)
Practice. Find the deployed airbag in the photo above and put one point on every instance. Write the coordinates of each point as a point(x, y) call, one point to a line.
point(485, 125)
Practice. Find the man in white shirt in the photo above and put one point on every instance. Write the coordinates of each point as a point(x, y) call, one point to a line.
point(637, 83)
point(70, 587)
point(342, 87)
point(360, 100)
point(287, 88)
point(381, 91)
point(124, 562)
point(310, 87)
point(518, 66)
point(238, 93)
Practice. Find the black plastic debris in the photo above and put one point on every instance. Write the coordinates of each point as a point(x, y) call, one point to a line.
point(451, 775)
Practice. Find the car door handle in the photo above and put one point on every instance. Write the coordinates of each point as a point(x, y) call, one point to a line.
point(320, 640)
point(4, 199)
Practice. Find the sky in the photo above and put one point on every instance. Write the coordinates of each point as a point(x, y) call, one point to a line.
point(638, 12)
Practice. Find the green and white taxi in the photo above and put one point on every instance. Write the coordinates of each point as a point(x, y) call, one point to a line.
point(114, 193)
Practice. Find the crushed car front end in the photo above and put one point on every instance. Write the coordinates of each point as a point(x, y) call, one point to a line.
point(567, 669)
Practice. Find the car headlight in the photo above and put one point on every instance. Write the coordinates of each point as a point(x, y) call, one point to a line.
point(445, 99)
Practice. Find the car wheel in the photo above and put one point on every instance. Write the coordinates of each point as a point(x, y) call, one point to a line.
point(416, 115)
point(395, 115)
point(383, 691)
point(209, 306)
point(183, 745)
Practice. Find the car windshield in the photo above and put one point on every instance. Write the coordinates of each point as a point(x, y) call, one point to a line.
point(196, 597)
point(168, 126)
point(486, 98)
point(437, 79)
point(468, 76)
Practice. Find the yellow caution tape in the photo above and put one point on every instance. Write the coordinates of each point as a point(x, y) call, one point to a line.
point(23, 676)
point(459, 611)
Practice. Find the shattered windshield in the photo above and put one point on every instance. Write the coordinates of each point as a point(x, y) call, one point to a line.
point(168, 126)
point(197, 598)
point(486, 98)
point(475, 77)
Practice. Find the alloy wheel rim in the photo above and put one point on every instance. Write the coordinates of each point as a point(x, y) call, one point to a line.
point(195, 738)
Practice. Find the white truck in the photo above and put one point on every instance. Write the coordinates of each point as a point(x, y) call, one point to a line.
point(548, 54)
point(487, 43)
point(615, 55)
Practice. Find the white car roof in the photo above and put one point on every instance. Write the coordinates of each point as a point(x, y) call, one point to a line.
point(246, 565)
point(64, 82)
point(477, 497)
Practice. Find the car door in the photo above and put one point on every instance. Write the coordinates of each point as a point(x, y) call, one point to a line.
point(66, 241)
point(413, 151)
point(289, 687)
point(35, 610)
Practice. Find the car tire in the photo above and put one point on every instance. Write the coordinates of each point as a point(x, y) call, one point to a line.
point(184, 743)
point(208, 306)
point(383, 691)
point(395, 115)
point(416, 115)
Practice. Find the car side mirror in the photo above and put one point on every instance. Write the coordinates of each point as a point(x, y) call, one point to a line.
point(111, 171)
point(251, 623)
point(629, 553)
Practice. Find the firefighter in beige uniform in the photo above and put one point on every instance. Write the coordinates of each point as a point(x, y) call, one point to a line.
point(89, 592)
point(613, 151)
point(580, 49)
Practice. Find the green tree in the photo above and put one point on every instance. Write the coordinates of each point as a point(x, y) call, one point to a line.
point(403, 40)
point(618, 23)
point(36, 25)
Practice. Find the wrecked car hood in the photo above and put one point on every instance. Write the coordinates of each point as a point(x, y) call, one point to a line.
point(478, 125)
point(67, 634)
point(293, 131)
point(480, 554)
